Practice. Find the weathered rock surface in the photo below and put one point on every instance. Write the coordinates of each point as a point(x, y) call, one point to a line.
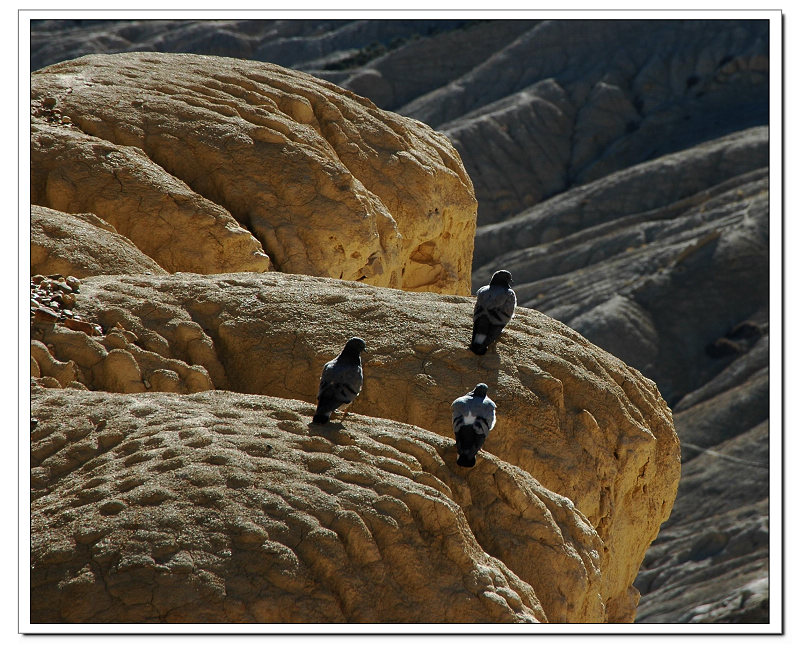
point(666, 265)
point(575, 110)
point(579, 421)
point(173, 145)
point(82, 245)
point(653, 276)
point(116, 363)
point(569, 102)
point(385, 79)
point(718, 533)
point(223, 507)
point(285, 42)
point(533, 107)
point(74, 172)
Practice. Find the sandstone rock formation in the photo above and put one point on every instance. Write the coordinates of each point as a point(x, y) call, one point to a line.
point(580, 422)
point(181, 152)
point(179, 229)
point(534, 107)
point(640, 133)
point(65, 357)
point(225, 507)
point(82, 245)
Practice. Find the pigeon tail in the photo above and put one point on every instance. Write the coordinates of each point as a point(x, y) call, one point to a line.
point(465, 461)
point(478, 349)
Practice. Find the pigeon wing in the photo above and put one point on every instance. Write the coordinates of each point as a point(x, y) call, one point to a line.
point(480, 301)
point(499, 304)
point(460, 410)
point(487, 409)
point(340, 382)
point(494, 308)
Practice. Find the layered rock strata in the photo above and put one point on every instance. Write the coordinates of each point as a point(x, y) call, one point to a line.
point(666, 265)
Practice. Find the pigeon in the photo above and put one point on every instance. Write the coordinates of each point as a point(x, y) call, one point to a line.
point(341, 380)
point(494, 308)
point(473, 418)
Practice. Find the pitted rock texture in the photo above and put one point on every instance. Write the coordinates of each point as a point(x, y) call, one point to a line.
point(224, 507)
point(578, 420)
point(65, 357)
point(600, 144)
point(82, 245)
point(177, 144)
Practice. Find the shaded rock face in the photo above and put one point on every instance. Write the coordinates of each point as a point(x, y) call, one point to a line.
point(194, 151)
point(222, 507)
point(654, 276)
point(718, 534)
point(583, 424)
point(666, 265)
point(597, 97)
point(331, 43)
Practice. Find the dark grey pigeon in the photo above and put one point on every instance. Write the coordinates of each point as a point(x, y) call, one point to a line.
point(473, 418)
point(494, 308)
point(341, 380)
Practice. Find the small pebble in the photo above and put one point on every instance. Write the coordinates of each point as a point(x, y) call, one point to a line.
point(44, 314)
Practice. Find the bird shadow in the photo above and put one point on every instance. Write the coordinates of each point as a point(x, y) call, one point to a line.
point(325, 428)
